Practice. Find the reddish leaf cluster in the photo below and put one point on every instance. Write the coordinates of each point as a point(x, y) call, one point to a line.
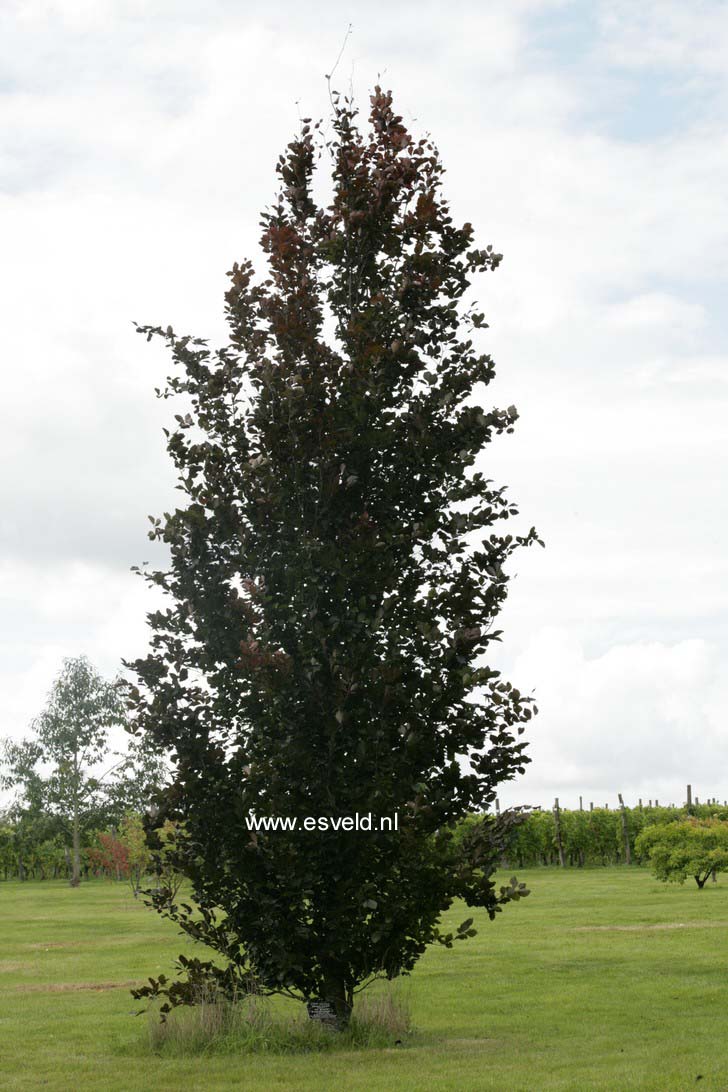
point(110, 857)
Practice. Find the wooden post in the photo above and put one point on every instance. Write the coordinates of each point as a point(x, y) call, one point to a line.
point(557, 823)
point(690, 800)
point(591, 805)
point(581, 806)
point(497, 806)
point(649, 803)
point(625, 831)
point(657, 802)
point(640, 801)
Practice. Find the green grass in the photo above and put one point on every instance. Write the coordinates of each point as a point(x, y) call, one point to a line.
point(601, 979)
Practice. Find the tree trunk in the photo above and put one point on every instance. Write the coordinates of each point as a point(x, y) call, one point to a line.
point(557, 825)
point(625, 832)
point(336, 992)
point(76, 872)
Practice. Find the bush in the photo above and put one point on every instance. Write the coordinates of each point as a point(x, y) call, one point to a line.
point(692, 847)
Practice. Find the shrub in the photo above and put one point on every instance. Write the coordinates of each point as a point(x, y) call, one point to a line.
point(692, 847)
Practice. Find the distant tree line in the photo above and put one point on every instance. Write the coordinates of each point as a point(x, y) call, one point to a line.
point(36, 849)
point(77, 809)
point(76, 804)
point(601, 836)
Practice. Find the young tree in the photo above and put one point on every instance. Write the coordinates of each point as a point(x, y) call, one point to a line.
point(54, 770)
point(693, 847)
point(335, 577)
point(139, 856)
point(168, 878)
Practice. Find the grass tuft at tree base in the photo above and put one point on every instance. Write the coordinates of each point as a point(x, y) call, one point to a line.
point(252, 1025)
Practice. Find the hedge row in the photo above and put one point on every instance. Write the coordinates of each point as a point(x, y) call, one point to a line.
point(590, 837)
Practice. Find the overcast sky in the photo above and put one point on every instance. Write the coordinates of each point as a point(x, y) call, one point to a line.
point(586, 141)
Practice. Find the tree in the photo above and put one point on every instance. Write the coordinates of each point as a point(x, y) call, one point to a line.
point(109, 855)
point(55, 769)
point(334, 581)
point(139, 856)
point(129, 785)
point(168, 878)
point(693, 847)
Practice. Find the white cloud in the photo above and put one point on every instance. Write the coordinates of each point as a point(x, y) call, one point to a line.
point(643, 719)
point(700, 373)
point(59, 610)
point(659, 311)
point(665, 34)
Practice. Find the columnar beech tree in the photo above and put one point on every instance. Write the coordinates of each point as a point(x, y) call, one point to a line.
point(334, 581)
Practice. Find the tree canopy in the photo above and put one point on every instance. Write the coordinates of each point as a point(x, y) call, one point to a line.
point(335, 576)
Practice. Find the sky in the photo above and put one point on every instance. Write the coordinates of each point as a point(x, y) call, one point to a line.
point(587, 141)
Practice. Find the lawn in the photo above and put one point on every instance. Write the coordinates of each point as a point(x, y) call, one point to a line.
point(601, 979)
